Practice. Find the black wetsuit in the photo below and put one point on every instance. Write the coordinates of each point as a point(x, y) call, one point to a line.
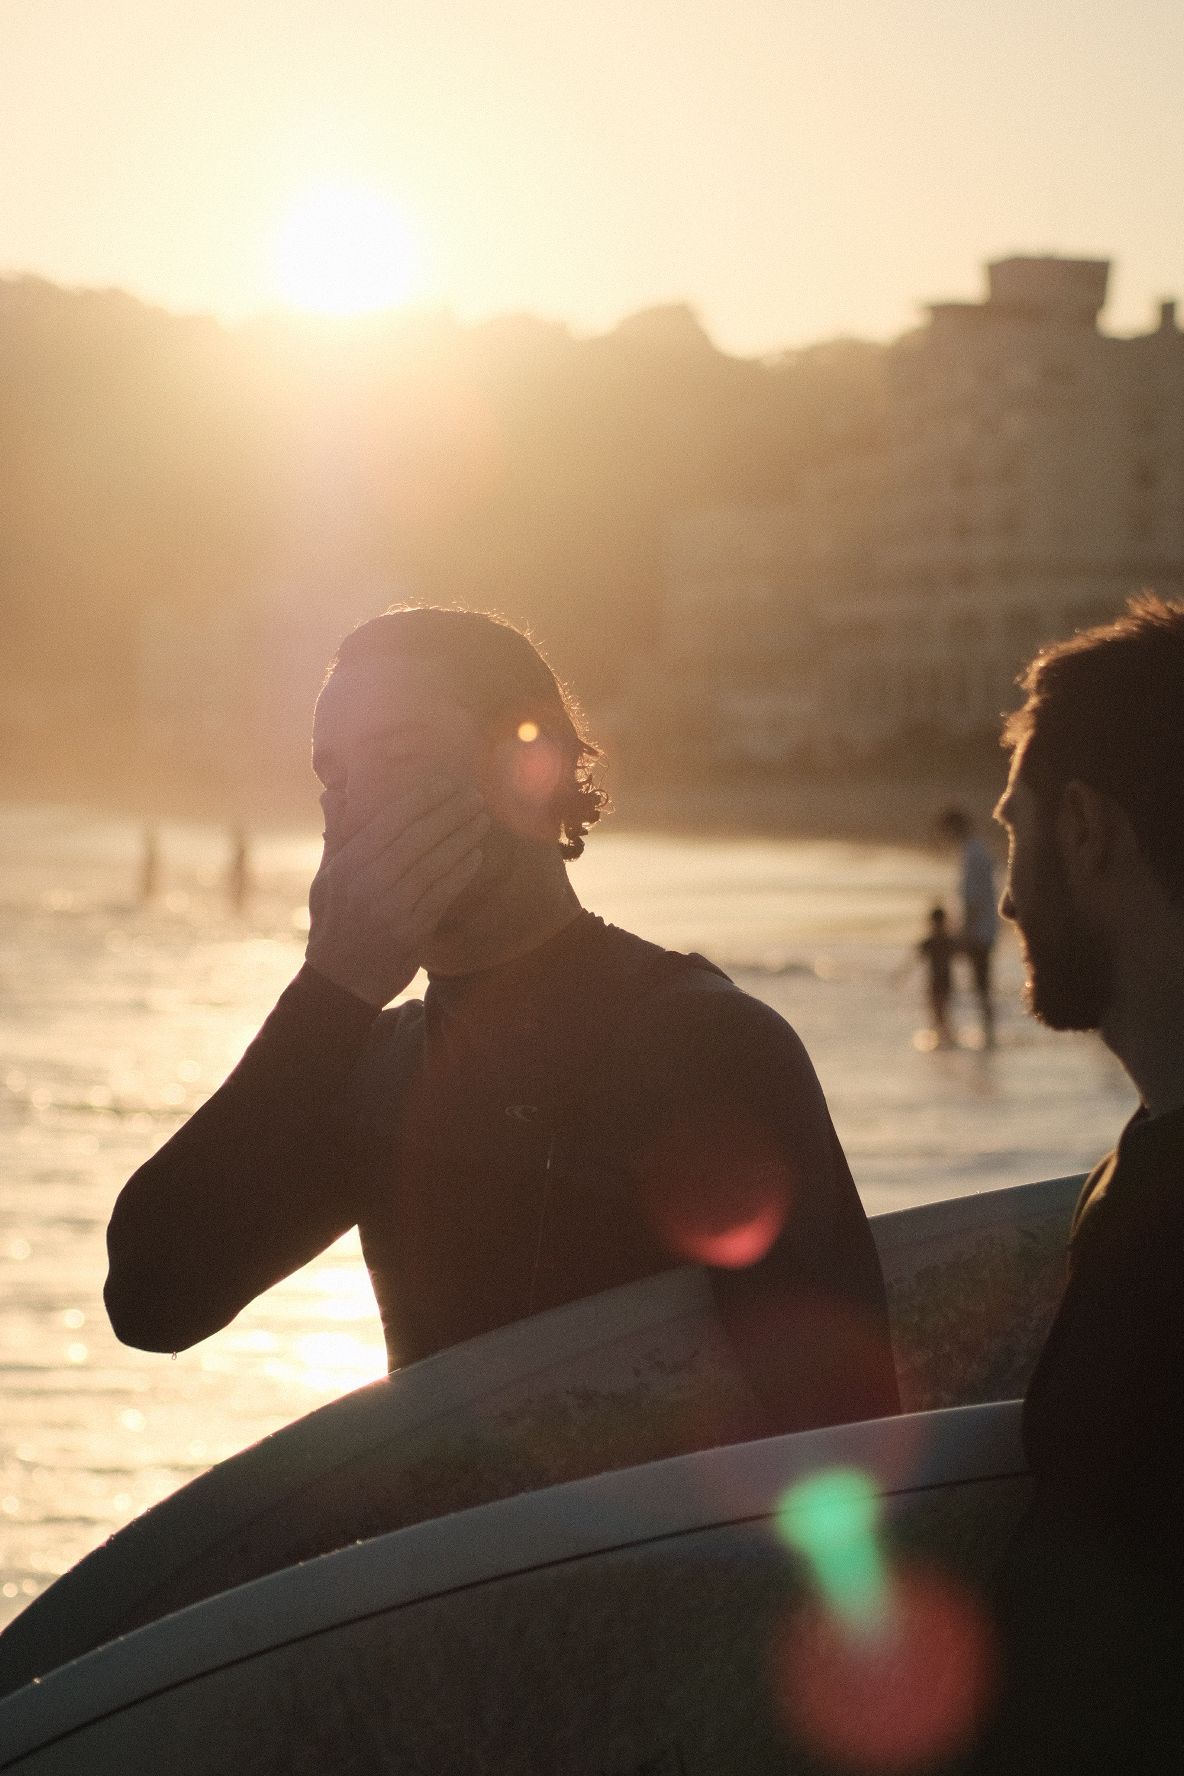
point(1092, 1591)
point(595, 1113)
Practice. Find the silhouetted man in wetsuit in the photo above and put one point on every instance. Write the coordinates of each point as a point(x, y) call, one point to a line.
point(1093, 1589)
point(569, 1107)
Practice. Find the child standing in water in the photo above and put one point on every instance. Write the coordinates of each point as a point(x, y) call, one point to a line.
point(936, 951)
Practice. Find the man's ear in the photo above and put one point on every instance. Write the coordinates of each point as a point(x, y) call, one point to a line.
point(1092, 833)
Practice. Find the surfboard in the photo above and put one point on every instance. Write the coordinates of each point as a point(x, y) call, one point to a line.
point(631, 1376)
point(715, 1614)
point(973, 1283)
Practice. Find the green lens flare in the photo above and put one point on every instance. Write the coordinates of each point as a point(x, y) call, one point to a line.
point(832, 1519)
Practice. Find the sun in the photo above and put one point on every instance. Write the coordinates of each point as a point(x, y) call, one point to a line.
point(344, 250)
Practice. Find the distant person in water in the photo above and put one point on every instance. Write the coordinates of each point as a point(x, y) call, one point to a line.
point(1093, 1589)
point(568, 1108)
point(980, 924)
point(937, 950)
point(238, 872)
point(149, 884)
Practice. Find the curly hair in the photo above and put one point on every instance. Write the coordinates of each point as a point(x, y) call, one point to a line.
point(1107, 707)
point(500, 673)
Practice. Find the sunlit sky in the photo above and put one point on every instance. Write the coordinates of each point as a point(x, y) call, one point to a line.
point(793, 168)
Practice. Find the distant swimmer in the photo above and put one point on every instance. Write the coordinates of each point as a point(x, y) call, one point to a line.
point(568, 1107)
point(937, 950)
point(1092, 1598)
point(238, 873)
point(980, 922)
point(149, 885)
point(934, 953)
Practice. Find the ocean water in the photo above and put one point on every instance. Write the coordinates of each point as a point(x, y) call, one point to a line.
point(118, 1019)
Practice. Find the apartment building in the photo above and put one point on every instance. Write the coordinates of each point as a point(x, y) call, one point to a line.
point(1029, 475)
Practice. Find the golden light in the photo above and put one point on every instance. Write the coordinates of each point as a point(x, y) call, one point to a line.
point(337, 1362)
point(528, 732)
point(350, 1351)
point(344, 250)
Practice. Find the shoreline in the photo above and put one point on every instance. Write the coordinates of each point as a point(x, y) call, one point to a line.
point(880, 808)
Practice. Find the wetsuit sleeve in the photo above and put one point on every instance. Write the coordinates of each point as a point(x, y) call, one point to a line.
point(739, 1164)
point(254, 1184)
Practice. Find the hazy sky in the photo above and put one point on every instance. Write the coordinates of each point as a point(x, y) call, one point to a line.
point(793, 168)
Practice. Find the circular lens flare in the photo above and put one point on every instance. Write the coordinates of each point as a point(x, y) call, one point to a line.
point(527, 769)
point(898, 1699)
point(832, 1519)
point(715, 1191)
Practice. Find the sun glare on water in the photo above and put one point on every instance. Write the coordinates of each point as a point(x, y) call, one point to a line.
point(344, 250)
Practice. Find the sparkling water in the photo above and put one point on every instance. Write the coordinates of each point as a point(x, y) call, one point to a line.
point(117, 1019)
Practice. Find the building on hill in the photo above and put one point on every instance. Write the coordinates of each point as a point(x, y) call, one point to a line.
point(1028, 475)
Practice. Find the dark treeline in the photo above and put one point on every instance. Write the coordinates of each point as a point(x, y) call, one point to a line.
point(151, 462)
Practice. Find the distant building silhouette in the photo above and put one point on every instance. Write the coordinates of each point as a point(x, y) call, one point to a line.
point(1026, 473)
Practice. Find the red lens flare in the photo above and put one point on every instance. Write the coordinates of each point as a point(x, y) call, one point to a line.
point(522, 777)
point(717, 1191)
point(743, 1243)
point(534, 765)
point(894, 1700)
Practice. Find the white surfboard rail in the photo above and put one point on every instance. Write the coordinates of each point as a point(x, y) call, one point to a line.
point(598, 1375)
point(658, 1504)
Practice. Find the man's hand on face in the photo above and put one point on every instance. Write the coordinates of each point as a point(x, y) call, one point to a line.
point(380, 893)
